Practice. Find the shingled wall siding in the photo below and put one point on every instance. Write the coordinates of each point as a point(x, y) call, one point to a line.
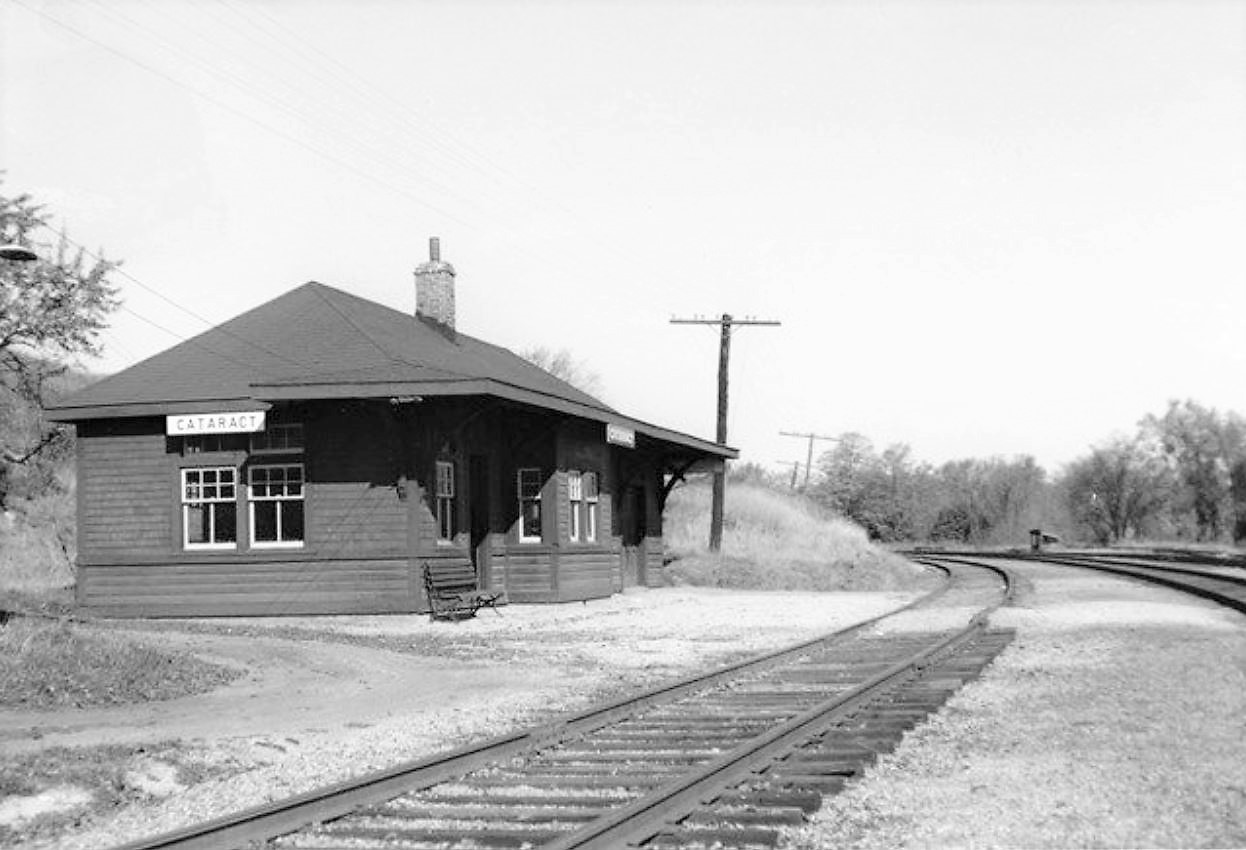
point(227, 588)
point(131, 558)
point(124, 478)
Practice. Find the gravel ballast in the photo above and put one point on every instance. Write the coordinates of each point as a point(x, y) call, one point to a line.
point(324, 698)
point(1117, 718)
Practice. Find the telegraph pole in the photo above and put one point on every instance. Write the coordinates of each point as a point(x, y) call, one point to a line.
point(795, 465)
point(726, 322)
point(809, 456)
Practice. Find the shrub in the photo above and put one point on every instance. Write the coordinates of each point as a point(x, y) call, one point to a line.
point(774, 541)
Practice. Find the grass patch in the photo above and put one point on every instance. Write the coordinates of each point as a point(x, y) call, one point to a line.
point(48, 664)
point(775, 541)
point(92, 781)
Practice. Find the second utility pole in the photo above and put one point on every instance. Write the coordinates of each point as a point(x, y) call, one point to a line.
point(726, 323)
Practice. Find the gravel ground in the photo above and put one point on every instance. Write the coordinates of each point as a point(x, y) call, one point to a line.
point(1116, 719)
point(325, 697)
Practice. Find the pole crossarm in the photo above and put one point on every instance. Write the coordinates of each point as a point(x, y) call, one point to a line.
point(810, 436)
point(726, 322)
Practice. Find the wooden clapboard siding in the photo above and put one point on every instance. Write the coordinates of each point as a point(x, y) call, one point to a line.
point(236, 587)
point(351, 518)
point(585, 574)
point(353, 469)
point(124, 478)
point(529, 573)
point(653, 552)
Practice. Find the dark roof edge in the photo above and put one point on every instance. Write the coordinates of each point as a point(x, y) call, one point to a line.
point(486, 386)
point(265, 394)
point(74, 413)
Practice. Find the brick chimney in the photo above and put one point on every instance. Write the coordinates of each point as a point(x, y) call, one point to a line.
point(434, 288)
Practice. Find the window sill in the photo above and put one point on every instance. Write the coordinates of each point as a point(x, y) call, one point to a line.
point(265, 546)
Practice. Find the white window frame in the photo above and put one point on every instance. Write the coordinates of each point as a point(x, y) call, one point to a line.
point(592, 497)
point(209, 503)
point(575, 502)
point(290, 442)
point(253, 499)
point(443, 500)
point(522, 499)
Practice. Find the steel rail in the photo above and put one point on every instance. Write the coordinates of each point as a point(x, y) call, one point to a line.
point(1142, 563)
point(1236, 601)
point(260, 823)
point(643, 819)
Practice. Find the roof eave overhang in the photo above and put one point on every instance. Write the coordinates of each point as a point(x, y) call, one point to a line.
point(290, 391)
point(264, 395)
point(81, 413)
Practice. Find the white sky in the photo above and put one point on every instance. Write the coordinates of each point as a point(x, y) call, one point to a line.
point(987, 228)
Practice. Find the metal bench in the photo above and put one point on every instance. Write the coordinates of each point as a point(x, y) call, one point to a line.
point(453, 593)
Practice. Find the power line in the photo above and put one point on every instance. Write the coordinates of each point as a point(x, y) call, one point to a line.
point(333, 129)
point(726, 323)
point(809, 457)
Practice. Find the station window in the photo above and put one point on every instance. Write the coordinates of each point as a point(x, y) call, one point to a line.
point(575, 499)
point(444, 506)
point(276, 505)
point(591, 498)
point(277, 438)
point(528, 485)
point(194, 444)
point(210, 507)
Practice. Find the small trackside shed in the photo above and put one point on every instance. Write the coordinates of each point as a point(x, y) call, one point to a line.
point(313, 454)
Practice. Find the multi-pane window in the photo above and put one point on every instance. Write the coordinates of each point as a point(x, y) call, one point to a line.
point(278, 437)
point(210, 507)
point(528, 484)
point(276, 502)
point(591, 498)
point(444, 507)
point(193, 444)
point(575, 499)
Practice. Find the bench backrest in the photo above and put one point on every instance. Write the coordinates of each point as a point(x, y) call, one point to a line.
point(450, 578)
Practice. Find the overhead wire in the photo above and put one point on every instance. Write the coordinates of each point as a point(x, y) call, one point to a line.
point(257, 93)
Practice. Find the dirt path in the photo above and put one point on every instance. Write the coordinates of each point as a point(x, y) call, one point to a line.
point(314, 710)
point(290, 689)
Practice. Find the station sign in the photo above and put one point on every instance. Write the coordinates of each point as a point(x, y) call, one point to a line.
point(231, 422)
point(619, 436)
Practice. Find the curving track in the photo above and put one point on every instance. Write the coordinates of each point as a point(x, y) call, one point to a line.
point(726, 759)
point(1210, 580)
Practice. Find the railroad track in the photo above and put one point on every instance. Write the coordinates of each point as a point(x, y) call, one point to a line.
point(1226, 585)
point(726, 759)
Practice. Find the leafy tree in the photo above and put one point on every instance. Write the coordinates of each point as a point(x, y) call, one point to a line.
point(1115, 490)
point(562, 364)
point(1201, 446)
point(50, 309)
point(883, 493)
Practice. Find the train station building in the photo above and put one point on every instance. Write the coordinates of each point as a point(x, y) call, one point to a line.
point(313, 454)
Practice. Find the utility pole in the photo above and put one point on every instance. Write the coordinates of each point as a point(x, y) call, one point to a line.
point(795, 465)
point(725, 323)
point(809, 456)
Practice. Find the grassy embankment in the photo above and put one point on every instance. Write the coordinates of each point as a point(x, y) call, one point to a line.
point(50, 660)
point(775, 541)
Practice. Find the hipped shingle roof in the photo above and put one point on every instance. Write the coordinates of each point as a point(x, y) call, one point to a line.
point(320, 342)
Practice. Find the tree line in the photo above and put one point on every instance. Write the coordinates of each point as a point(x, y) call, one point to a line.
point(1181, 476)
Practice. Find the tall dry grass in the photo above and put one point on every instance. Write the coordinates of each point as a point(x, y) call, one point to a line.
point(37, 547)
point(774, 541)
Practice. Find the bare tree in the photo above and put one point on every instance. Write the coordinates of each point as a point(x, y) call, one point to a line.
point(562, 364)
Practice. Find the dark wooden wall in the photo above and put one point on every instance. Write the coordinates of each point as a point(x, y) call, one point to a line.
point(369, 522)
